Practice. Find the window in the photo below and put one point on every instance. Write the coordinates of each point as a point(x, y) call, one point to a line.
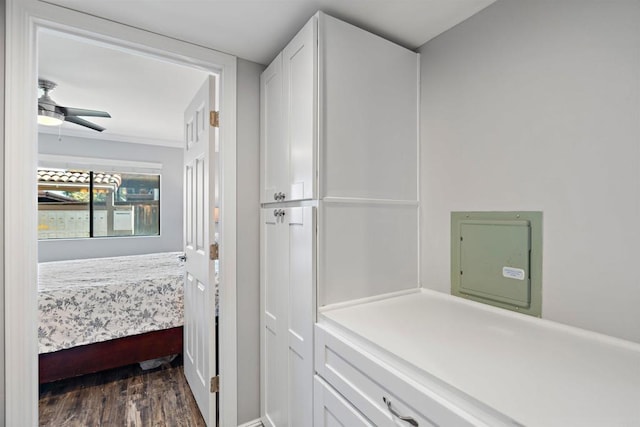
point(84, 203)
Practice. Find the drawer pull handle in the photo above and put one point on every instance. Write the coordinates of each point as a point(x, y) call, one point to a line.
point(409, 420)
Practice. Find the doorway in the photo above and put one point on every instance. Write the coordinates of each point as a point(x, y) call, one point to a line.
point(25, 20)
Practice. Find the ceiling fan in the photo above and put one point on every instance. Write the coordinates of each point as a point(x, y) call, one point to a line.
point(50, 113)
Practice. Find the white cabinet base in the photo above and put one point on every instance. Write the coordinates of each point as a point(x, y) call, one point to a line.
point(456, 361)
point(368, 384)
point(333, 410)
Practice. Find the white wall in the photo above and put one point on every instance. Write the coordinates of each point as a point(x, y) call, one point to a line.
point(170, 238)
point(248, 225)
point(2, 64)
point(535, 105)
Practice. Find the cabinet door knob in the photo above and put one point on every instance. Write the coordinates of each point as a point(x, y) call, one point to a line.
point(409, 420)
point(276, 196)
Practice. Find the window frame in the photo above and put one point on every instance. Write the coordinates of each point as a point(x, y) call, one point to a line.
point(92, 165)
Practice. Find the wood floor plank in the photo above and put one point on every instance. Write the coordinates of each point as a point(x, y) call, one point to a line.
point(121, 397)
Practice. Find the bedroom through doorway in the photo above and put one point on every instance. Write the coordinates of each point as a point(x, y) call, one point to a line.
point(112, 212)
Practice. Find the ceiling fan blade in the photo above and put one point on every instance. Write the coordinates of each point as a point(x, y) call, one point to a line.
point(69, 111)
point(83, 122)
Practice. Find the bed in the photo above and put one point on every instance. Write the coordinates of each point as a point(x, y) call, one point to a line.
point(97, 314)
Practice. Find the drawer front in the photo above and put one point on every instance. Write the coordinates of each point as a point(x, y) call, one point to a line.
point(332, 410)
point(371, 386)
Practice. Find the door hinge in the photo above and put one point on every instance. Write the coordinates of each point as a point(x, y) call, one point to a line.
point(213, 251)
point(215, 384)
point(214, 119)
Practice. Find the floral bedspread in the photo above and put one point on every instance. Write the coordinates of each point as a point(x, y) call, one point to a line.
point(86, 301)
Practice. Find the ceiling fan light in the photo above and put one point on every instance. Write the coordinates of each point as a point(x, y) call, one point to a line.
point(49, 118)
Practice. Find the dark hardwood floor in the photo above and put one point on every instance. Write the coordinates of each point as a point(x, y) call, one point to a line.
point(125, 396)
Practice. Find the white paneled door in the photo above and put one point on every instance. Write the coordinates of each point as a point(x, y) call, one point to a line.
point(273, 145)
point(274, 278)
point(288, 315)
point(288, 97)
point(299, 67)
point(301, 310)
point(200, 181)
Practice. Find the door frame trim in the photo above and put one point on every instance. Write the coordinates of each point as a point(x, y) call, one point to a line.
point(25, 18)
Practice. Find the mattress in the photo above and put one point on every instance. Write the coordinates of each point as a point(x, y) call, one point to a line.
point(92, 300)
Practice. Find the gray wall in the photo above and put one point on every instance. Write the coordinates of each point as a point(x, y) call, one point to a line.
point(248, 215)
point(535, 105)
point(2, 60)
point(170, 238)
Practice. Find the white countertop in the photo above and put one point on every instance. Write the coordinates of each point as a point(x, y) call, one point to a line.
point(538, 372)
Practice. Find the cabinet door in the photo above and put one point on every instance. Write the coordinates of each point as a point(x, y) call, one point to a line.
point(332, 410)
point(287, 301)
point(301, 313)
point(273, 327)
point(274, 151)
point(299, 70)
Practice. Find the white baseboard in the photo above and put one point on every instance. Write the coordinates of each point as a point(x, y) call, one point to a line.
point(254, 423)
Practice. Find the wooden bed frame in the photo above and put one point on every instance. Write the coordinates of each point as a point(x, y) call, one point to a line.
point(90, 358)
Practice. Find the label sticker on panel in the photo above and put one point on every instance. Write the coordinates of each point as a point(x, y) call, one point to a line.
point(513, 273)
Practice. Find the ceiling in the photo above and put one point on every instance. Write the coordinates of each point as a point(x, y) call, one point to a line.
point(146, 98)
point(258, 29)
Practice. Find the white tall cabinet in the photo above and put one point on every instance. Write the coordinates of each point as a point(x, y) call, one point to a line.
point(339, 114)
point(288, 234)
